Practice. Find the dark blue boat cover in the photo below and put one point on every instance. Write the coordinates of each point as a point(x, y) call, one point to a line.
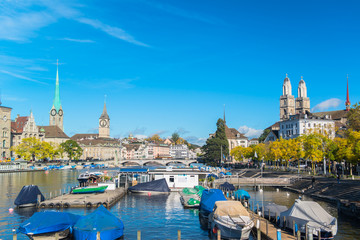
point(49, 221)
point(227, 186)
point(28, 194)
point(208, 199)
point(156, 186)
point(241, 194)
point(101, 220)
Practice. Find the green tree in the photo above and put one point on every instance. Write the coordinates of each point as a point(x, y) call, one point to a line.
point(354, 117)
point(264, 134)
point(175, 137)
point(28, 149)
point(216, 144)
point(72, 149)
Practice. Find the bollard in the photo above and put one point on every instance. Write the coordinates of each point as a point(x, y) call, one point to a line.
point(139, 235)
point(57, 236)
point(306, 232)
point(310, 234)
point(293, 225)
point(258, 229)
point(55, 194)
point(269, 214)
point(38, 198)
point(218, 234)
point(298, 235)
point(257, 208)
point(319, 234)
point(278, 234)
point(98, 236)
point(179, 234)
point(267, 228)
point(253, 206)
point(14, 234)
point(50, 195)
point(284, 222)
point(276, 220)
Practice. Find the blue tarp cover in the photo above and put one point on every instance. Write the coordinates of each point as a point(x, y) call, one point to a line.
point(227, 186)
point(101, 220)
point(241, 194)
point(28, 194)
point(49, 221)
point(156, 186)
point(208, 199)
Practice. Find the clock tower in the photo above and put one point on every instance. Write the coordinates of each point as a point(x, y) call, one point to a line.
point(104, 124)
point(56, 112)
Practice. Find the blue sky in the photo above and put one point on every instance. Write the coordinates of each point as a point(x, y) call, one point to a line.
point(169, 66)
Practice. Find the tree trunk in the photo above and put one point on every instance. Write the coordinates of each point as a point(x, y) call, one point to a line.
point(351, 169)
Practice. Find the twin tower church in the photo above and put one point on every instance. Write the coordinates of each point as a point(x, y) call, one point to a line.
point(57, 113)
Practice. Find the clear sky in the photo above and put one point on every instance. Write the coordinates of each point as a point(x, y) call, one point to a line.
point(169, 66)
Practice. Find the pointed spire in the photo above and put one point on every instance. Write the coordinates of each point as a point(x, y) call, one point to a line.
point(104, 114)
point(347, 103)
point(224, 115)
point(57, 103)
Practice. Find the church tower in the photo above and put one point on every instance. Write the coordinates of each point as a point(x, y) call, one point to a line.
point(347, 103)
point(56, 112)
point(287, 101)
point(302, 102)
point(104, 124)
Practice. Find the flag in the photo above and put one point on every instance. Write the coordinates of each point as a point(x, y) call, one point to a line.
point(255, 155)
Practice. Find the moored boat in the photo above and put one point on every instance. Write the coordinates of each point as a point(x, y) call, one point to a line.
point(232, 218)
point(101, 220)
point(90, 189)
point(207, 202)
point(45, 225)
point(190, 197)
point(28, 196)
point(154, 187)
point(310, 215)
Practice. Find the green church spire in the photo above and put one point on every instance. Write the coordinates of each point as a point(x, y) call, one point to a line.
point(57, 103)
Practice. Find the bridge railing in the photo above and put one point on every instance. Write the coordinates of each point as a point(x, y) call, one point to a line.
point(255, 181)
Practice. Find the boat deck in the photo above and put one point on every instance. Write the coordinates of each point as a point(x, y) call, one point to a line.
point(108, 198)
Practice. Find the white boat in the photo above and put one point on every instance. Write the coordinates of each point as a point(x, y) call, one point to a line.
point(51, 236)
point(232, 218)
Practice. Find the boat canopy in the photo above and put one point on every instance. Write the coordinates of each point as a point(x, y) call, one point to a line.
point(241, 194)
point(155, 186)
point(49, 221)
point(101, 220)
point(230, 208)
point(208, 199)
point(274, 209)
point(227, 187)
point(312, 214)
point(28, 194)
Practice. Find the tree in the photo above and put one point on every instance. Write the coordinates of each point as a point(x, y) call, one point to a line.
point(239, 153)
point(313, 148)
point(175, 137)
point(354, 117)
point(216, 145)
point(155, 138)
point(72, 149)
point(264, 134)
point(28, 149)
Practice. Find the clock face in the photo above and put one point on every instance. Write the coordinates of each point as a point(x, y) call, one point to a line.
point(103, 123)
point(60, 112)
point(53, 112)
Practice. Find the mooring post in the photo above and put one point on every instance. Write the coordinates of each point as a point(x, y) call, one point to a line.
point(269, 215)
point(38, 198)
point(276, 218)
point(253, 206)
point(138, 235)
point(319, 232)
point(50, 195)
point(257, 208)
point(298, 235)
point(267, 228)
point(310, 234)
point(179, 234)
point(306, 232)
point(278, 234)
point(284, 222)
point(57, 236)
point(218, 234)
point(293, 225)
point(258, 229)
point(14, 234)
point(98, 236)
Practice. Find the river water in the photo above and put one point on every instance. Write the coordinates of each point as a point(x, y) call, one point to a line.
point(157, 217)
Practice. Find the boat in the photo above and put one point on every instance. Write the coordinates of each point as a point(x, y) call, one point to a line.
point(312, 215)
point(45, 225)
point(154, 187)
point(87, 178)
point(207, 202)
point(227, 187)
point(89, 189)
point(28, 196)
point(232, 218)
point(273, 210)
point(190, 197)
point(241, 195)
point(101, 220)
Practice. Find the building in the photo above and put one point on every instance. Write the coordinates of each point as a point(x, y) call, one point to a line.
point(24, 127)
point(180, 151)
point(5, 125)
point(99, 146)
point(300, 124)
point(52, 134)
point(161, 151)
point(135, 151)
point(56, 116)
point(254, 141)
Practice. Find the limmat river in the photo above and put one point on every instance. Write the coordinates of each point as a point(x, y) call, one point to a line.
point(157, 217)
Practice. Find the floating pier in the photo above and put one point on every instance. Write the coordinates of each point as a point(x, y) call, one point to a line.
point(91, 200)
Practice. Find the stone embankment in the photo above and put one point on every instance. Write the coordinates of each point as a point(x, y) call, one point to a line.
point(345, 195)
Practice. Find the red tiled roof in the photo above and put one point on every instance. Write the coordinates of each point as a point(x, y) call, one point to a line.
point(53, 132)
point(18, 125)
point(232, 133)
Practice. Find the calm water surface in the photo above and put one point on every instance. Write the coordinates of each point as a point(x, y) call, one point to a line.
point(158, 217)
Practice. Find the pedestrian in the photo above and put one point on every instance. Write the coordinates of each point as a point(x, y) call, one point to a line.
point(312, 181)
point(338, 178)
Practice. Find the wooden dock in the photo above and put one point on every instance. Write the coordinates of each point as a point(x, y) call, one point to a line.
point(108, 199)
point(267, 229)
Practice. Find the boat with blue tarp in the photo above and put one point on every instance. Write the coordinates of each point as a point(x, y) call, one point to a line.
point(227, 187)
point(44, 225)
point(28, 196)
point(101, 220)
point(207, 203)
point(241, 194)
point(159, 186)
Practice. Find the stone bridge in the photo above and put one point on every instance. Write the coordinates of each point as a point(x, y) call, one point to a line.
point(162, 162)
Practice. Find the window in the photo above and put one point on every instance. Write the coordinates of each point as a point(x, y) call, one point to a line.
point(172, 179)
point(4, 143)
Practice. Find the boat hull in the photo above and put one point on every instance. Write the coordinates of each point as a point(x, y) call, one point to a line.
point(186, 205)
point(51, 236)
point(27, 205)
point(85, 190)
point(228, 232)
point(147, 192)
